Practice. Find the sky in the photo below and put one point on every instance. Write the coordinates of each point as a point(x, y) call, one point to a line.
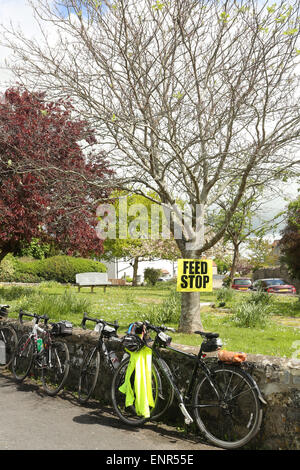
point(21, 14)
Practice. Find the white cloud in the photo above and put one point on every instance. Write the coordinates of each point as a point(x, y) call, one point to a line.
point(20, 14)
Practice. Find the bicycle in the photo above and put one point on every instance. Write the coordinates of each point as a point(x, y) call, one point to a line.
point(90, 366)
point(8, 339)
point(225, 400)
point(48, 354)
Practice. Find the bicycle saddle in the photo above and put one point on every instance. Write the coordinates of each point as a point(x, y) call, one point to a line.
point(207, 335)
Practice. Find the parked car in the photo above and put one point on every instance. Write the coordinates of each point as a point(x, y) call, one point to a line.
point(241, 283)
point(275, 286)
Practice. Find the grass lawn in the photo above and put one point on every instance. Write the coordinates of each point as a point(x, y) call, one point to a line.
point(128, 304)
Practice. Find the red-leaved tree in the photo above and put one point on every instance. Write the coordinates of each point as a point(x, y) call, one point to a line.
point(51, 180)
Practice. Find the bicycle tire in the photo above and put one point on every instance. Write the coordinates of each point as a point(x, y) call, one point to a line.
point(56, 370)
point(9, 336)
point(234, 418)
point(166, 392)
point(89, 372)
point(23, 358)
point(128, 414)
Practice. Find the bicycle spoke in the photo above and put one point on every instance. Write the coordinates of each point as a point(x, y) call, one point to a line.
point(55, 368)
point(23, 358)
point(88, 376)
point(232, 420)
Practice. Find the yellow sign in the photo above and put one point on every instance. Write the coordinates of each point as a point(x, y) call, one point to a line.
point(194, 275)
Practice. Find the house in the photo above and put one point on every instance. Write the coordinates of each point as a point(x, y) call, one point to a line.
point(122, 269)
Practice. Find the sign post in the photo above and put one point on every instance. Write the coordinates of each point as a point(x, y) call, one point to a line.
point(194, 275)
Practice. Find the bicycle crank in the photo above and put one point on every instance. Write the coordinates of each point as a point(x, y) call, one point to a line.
point(187, 417)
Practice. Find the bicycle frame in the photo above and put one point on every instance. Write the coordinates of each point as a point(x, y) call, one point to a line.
point(33, 336)
point(184, 400)
point(101, 345)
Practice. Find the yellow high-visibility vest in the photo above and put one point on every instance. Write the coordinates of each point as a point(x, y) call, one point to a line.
point(141, 363)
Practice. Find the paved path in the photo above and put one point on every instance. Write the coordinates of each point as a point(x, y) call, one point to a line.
point(31, 420)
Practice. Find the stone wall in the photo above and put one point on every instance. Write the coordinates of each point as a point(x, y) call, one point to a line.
point(277, 378)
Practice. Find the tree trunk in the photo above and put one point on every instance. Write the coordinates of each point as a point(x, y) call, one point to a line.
point(3, 253)
point(236, 255)
point(135, 270)
point(190, 319)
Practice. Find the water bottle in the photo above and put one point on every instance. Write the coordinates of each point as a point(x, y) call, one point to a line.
point(114, 359)
point(2, 352)
point(39, 344)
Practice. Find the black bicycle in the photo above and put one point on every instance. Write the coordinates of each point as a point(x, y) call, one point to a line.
point(224, 399)
point(8, 339)
point(43, 349)
point(90, 366)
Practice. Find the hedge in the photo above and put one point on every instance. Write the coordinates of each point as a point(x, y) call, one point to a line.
point(57, 268)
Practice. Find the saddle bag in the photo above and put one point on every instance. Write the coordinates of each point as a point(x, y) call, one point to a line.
point(62, 328)
point(109, 331)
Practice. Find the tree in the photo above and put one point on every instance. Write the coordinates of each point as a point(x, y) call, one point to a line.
point(133, 240)
point(42, 196)
point(246, 222)
point(152, 275)
point(262, 253)
point(190, 97)
point(290, 241)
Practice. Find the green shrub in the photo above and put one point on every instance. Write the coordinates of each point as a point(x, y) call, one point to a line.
point(60, 268)
point(8, 267)
point(168, 312)
point(16, 292)
point(35, 249)
point(251, 315)
point(27, 277)
point(261, 297)
point(225, 294)
point(226, 281)
point(254, 311)
point(62, 306)
point(151, 275)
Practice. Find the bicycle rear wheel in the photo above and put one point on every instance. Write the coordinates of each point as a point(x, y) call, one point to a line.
point(23, 358)
point(227, 408)
point(56, 368)
point(89, 372)
point(9, 339)
point(128, 414)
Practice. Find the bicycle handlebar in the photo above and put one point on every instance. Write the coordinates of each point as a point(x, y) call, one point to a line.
point(33, 315)
point(98, 320)
point(158, 329)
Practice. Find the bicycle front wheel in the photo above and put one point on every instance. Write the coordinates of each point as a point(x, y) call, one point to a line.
point(89, 372)
point(128, 414)
point(165, 395)
point(23, 358)
point(227, 408)
point(56, 368)
point(9, 341)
